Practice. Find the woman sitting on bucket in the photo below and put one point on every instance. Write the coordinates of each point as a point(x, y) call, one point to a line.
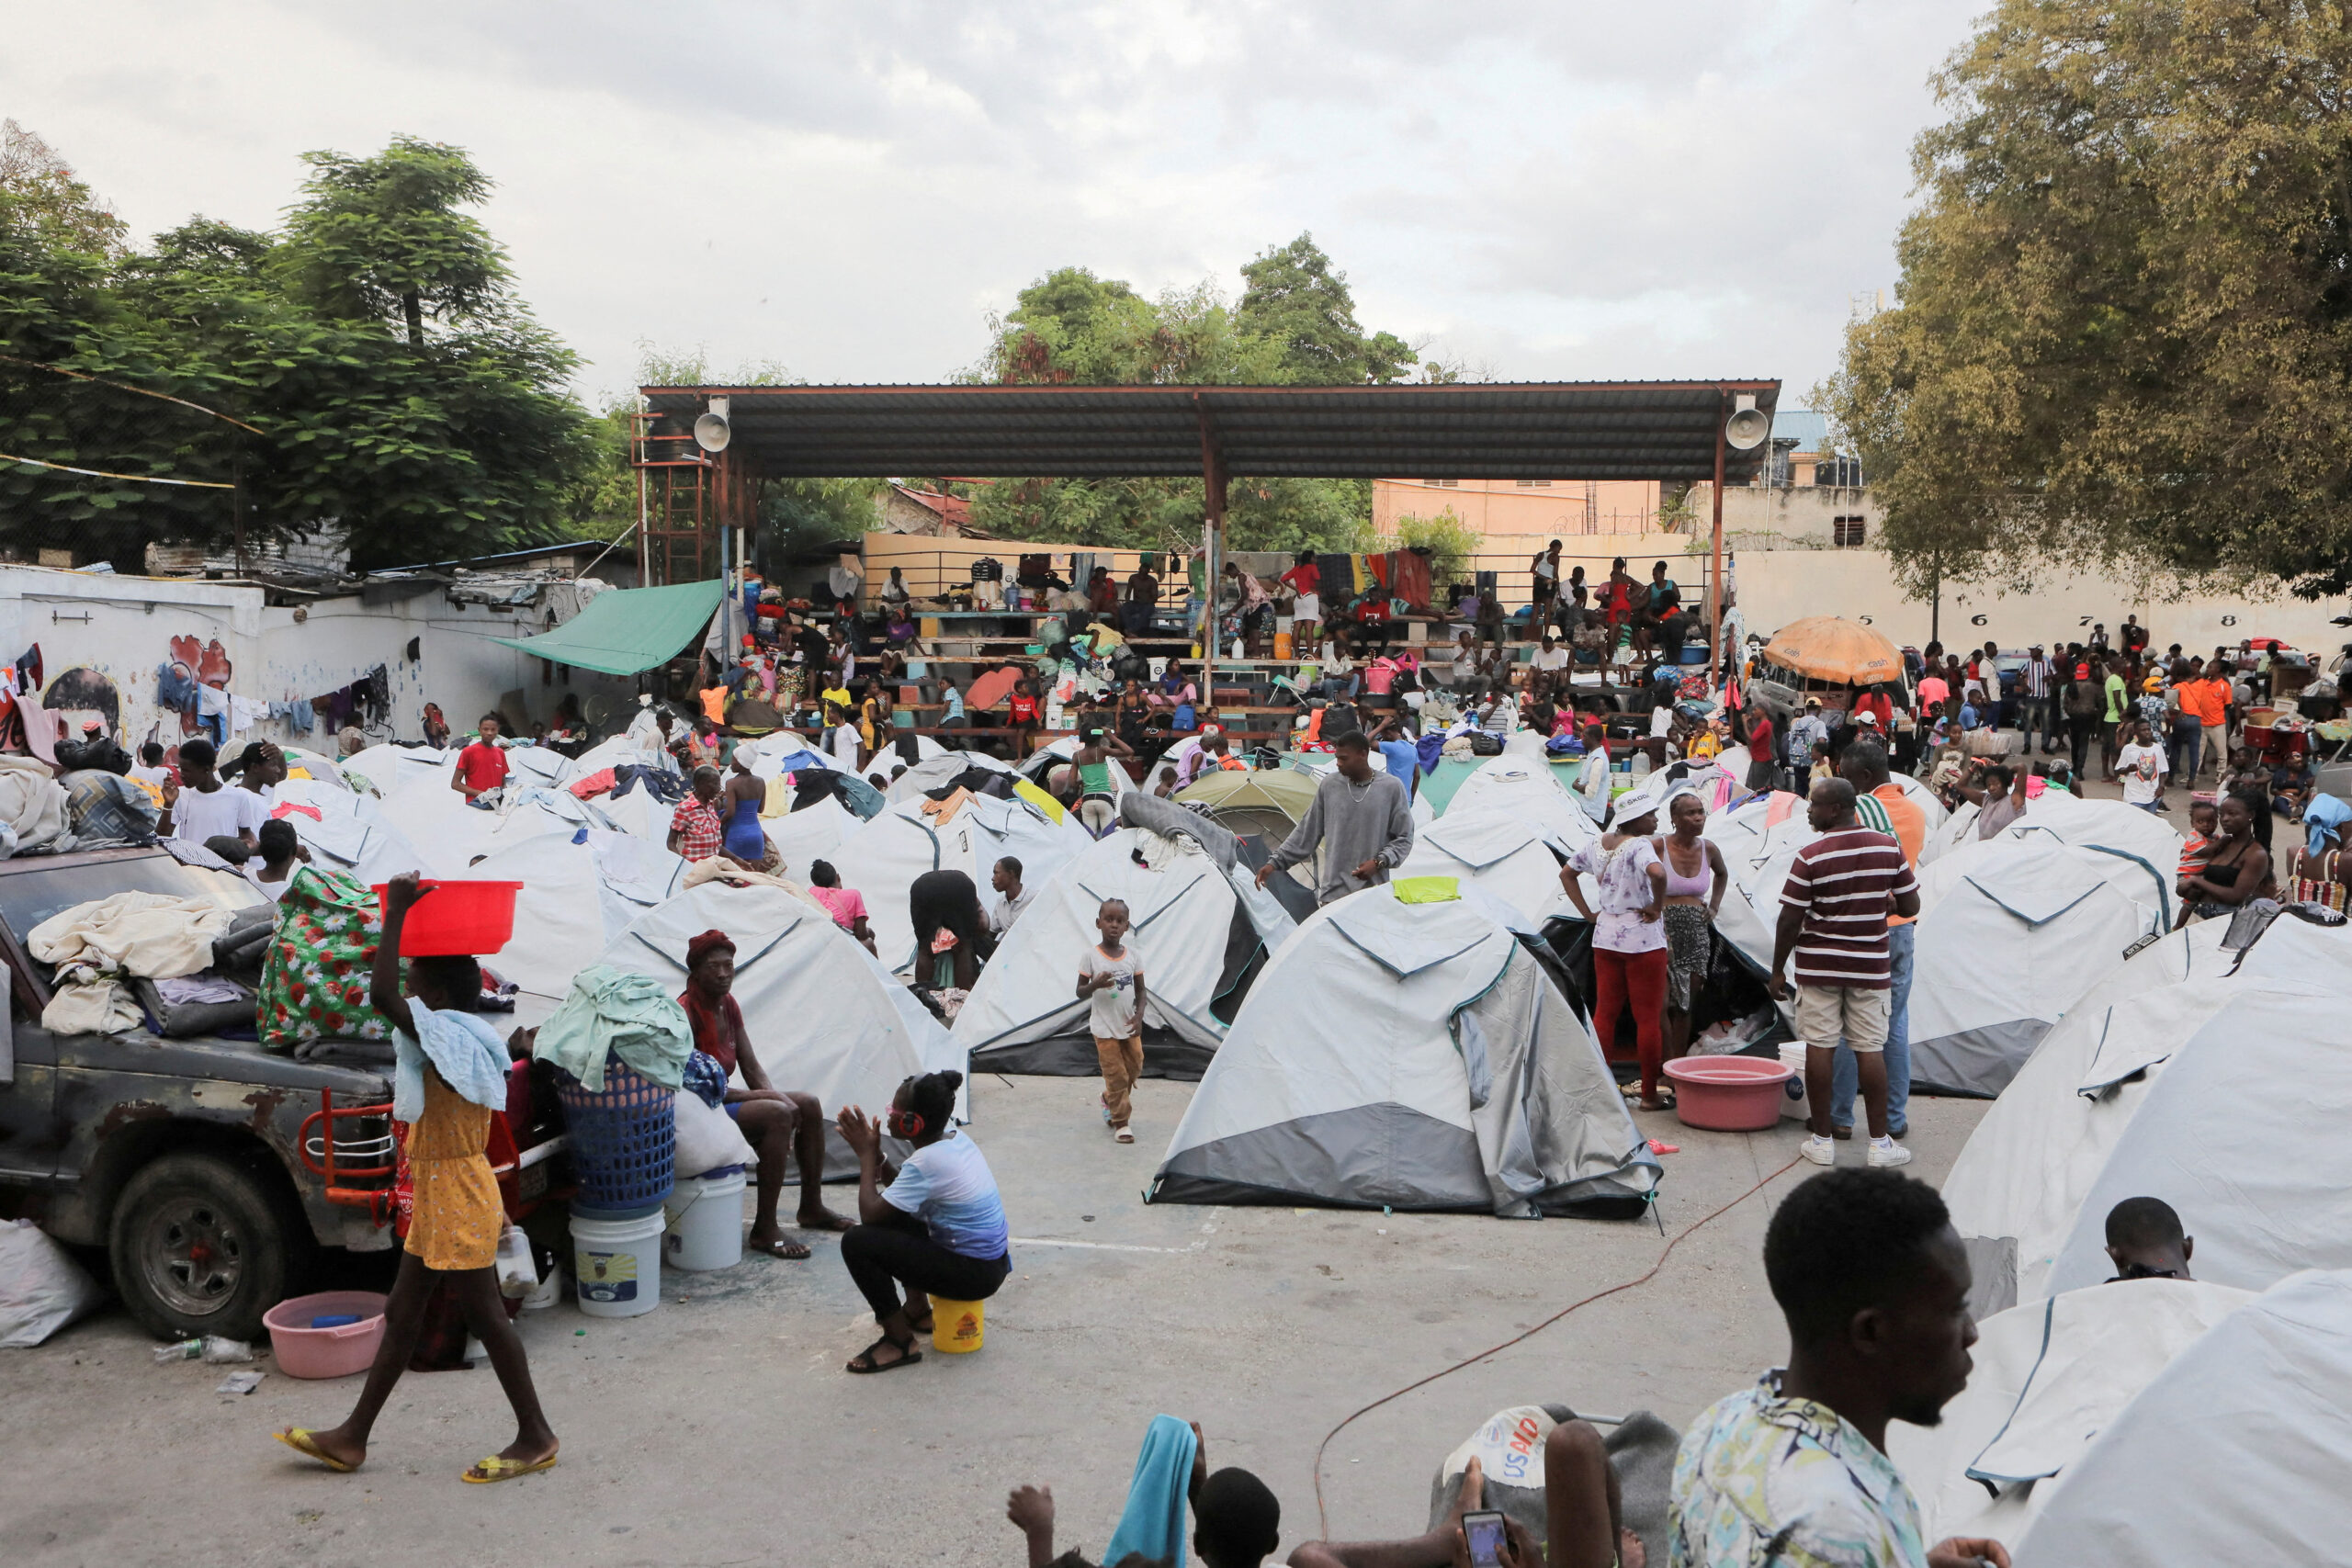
point(938, 1224)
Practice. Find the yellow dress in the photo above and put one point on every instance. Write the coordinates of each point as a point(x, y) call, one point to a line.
point(457, 1215)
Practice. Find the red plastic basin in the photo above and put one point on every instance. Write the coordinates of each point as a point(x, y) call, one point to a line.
point(470, 917)
point(1728, 1094)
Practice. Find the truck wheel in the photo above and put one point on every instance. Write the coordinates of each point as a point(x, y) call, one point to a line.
point(200, 1245)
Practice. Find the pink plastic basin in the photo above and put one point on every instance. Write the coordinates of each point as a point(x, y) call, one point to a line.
point(1728, 1094)
point(303, 1351)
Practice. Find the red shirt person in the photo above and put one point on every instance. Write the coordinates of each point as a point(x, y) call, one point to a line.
point(481, 766)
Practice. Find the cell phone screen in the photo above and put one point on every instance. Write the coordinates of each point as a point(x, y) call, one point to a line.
point(1484, 1531)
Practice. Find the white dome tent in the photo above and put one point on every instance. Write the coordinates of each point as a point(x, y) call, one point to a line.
point(1507, 831)
point(2011, 932)
point(579, 896)
point(2235, 1453)
point(824, 1016)
point(933, 772)
point(2049, 1378)
point(1414, 1056)
point(882, 858)
point(810, 834)
point(2154, 1089)
point(1201, 921)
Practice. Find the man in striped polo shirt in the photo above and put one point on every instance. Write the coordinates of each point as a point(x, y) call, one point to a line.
point(1880, 806)
point(1833, 910)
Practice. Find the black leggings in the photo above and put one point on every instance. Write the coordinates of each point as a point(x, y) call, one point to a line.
point(899, 1248)
point(2079, 740)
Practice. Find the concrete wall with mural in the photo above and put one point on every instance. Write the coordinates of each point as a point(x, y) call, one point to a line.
point(110, 646)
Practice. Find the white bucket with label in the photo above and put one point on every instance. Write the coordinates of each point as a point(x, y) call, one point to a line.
point(1792, 1094)
point(617, 1260)
point(704, 1225)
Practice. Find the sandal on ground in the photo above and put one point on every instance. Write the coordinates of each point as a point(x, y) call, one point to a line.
point(1123, 1135)
point(863, 1362)
point(790, 1251)
point(495, 1469)
point(924, 1325)
point(304, 1441)
point(827, 1222)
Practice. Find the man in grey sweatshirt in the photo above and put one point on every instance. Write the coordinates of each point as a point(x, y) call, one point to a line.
point(1361, 820)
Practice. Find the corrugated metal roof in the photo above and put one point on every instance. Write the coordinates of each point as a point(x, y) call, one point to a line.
point(1631, 430)
point(1804, 426)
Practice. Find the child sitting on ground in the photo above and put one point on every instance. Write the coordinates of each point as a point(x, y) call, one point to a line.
point(1110, 978)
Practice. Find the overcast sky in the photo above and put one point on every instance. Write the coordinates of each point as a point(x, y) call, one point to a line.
point(1565, 190)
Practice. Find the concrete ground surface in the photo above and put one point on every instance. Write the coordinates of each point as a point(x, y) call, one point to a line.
point(720, 1428)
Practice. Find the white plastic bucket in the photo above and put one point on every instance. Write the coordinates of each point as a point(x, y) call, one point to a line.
point(1792, 1098)
point(618, 1262)
point(704, 1225)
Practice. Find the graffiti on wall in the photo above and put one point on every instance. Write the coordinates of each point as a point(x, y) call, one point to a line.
point(81, 696)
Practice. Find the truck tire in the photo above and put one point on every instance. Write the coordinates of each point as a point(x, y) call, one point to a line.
point(201, 1245)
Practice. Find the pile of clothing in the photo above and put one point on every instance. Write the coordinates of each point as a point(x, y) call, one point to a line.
point(35, 818)
point(97, 946)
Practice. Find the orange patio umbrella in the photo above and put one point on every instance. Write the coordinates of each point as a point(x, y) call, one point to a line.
point(1830, 647)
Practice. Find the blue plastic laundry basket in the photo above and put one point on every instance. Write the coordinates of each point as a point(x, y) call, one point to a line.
point(623, 1140)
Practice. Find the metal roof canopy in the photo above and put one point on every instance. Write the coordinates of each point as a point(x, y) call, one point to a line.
point(1606, 429)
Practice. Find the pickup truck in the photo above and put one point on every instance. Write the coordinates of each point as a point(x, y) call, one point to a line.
point(183, 1157)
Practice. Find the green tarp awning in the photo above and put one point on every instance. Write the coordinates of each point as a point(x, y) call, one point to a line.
point(625, 630)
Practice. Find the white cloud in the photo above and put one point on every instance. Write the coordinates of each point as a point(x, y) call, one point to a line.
point(1553, 190)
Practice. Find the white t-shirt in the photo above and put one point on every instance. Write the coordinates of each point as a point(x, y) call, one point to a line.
point(277, 890)
point(222, 813)
point(2142, 768)
point(1662, 720)
point(1111, 1012)
point(845, 743)
point(1553, 657)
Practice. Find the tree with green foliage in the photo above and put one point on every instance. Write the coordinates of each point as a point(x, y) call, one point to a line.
point(398, 386)
point(2124, 334)
point(1297, 299)
point(1295, 324)
point(382, 239)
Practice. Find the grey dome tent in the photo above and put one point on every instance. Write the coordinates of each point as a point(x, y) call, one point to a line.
point(1418, 1055)
point(1202, 923)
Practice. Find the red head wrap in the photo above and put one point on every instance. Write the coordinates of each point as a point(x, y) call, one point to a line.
point(704, 946)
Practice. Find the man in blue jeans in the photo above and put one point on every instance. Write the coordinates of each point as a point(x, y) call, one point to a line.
point(1842, 1077)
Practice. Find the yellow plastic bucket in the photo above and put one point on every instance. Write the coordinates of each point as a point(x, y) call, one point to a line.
point(956, 1326)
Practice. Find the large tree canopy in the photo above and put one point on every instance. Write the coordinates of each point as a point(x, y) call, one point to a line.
point(2124, 333)
point(396, 383)
point(1295, 324)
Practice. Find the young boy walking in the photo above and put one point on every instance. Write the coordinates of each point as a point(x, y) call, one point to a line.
point(450, 1071)
point(1110, 978)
